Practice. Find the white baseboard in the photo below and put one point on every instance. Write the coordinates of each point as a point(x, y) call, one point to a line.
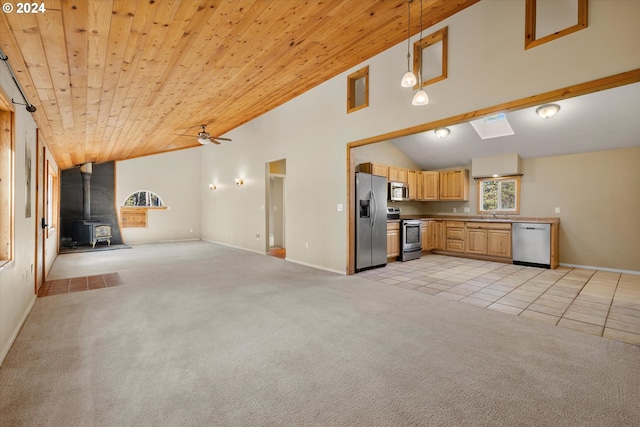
point(233, 246)
point(319, 267)
point(590, 267)
point(16, 331)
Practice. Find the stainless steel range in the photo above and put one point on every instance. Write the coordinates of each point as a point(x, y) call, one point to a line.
point(411, 239)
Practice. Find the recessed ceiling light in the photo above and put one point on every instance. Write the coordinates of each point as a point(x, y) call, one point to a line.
point(548, 110)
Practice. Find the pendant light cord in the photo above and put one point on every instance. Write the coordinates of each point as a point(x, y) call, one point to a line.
point(409, 36)
point(420, 64)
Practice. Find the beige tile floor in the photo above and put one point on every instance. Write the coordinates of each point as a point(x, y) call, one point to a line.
point(597, 302)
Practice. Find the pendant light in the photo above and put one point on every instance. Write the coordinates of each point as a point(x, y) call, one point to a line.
point(409, 79)
point(421, 97)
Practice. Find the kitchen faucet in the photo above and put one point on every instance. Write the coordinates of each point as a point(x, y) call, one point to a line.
point(494, 215)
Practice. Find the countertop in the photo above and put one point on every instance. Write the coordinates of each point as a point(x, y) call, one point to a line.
point(478, 218)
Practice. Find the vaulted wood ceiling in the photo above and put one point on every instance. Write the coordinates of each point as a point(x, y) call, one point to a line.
point(116, 79)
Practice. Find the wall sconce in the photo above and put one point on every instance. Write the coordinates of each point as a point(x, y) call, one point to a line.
point(442, 132)
point(239, 182)
point(212, 187)
point(548, 110)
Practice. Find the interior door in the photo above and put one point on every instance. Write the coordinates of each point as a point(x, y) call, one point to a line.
point(40, 214)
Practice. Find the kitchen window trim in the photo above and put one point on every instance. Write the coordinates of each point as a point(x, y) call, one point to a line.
point(479, 182)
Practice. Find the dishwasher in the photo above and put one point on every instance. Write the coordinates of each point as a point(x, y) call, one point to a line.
point(531, 244)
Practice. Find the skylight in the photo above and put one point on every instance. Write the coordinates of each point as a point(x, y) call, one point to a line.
point(492, 127)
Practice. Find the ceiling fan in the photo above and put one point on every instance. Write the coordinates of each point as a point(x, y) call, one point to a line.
point(205, 138)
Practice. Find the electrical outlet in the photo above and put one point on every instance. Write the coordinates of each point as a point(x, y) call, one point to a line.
point(557, 210)
point(306, 245)
point(340, 207)
point(467, 209)
point(455, 210)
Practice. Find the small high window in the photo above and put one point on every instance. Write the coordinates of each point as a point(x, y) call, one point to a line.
point(143, 199)
point(358, 90)
point(501, 195)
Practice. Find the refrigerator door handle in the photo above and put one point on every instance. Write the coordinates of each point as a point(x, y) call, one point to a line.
point(374, 207)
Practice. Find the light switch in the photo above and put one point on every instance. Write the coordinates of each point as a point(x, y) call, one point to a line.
point(557, 210)
point(340, 207)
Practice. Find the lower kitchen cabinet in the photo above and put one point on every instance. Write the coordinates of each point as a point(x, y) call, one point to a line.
point(426, 231)
point(476, 241)
point(487, 238)
point(499, 243)
point(455, 236)
point(393, 239)
point(438, 235)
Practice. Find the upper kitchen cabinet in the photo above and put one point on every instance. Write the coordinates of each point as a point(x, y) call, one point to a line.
point(373, 168)
point(428, 185)
point(454, 185)
point(396, 174)
point(412, 183)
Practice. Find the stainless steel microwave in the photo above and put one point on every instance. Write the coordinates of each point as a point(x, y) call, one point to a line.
point(398, 191)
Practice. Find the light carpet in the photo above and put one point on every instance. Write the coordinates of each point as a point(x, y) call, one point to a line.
point(205, 335)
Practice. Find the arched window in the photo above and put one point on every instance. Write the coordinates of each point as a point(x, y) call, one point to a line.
point(143, 199)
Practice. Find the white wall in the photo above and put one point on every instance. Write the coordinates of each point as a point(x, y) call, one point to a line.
point(175, 177)
point(487, 66)
point(17, 278)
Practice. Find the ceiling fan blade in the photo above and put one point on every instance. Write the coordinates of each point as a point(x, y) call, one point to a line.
point(214, 141)
point(221, 139)
point(182, 134)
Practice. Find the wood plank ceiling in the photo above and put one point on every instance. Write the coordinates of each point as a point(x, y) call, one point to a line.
point(117, 79)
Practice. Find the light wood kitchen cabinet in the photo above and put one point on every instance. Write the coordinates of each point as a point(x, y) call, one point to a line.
point(427, 235)
point(428, 185)
point(393, 239)
point(499, 243)
point(455, 236)
point(412, 183)
point(373, 168)
point(438, 235)
point(395, 174)
point(476, 242)
point(488, 238)
point(454, 185)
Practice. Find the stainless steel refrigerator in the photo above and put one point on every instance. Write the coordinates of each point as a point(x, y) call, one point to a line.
point(371, 221)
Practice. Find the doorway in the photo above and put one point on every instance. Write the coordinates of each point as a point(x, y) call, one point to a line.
point(275, 212)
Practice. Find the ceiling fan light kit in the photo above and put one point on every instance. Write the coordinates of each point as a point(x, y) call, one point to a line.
point(205, 138)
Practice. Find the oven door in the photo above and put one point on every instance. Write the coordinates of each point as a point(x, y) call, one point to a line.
point(411, 240)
